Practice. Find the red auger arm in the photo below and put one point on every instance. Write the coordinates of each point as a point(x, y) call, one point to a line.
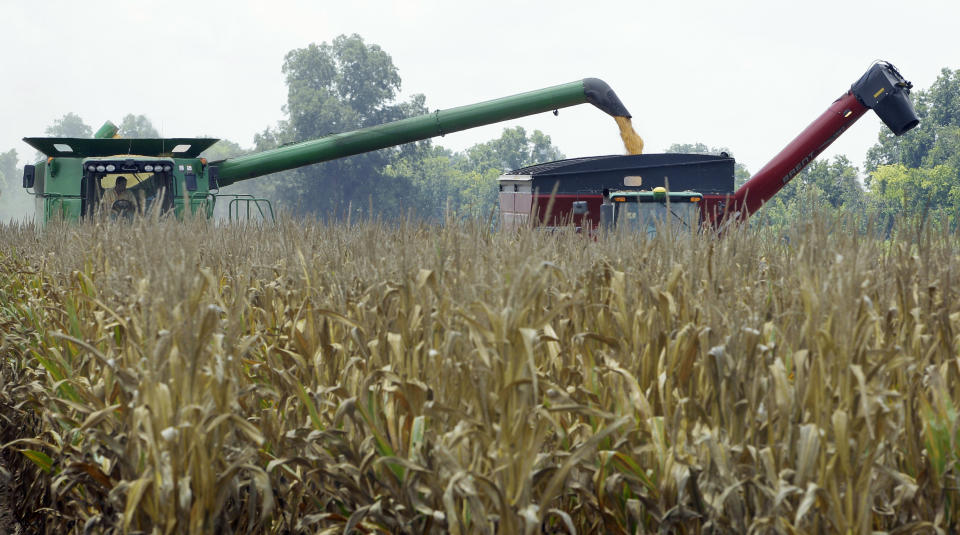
point(882, 88)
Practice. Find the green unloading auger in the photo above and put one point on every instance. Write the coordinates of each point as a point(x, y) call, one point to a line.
point(437, 123)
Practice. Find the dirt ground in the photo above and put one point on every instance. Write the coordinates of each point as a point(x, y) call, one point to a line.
point(8, 522)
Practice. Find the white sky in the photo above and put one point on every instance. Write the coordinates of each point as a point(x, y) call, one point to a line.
point(748, 75)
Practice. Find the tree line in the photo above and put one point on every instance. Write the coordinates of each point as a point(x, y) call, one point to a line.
point(349, 84)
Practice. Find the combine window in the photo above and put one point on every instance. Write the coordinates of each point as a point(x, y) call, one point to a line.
point(147, 183)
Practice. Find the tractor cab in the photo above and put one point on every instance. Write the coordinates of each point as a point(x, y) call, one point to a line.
point(648, 211)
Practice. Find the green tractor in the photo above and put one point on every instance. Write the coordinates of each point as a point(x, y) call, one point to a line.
point(170, 176)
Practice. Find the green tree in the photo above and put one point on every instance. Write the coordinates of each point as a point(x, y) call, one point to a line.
point(915, 190)
point(436, 183)
point(15, 202)
point(224, 149)
point(917, 173)
point(943, 99)
point(8, 170)
point(740, 173)
point(334, 88)
point(512, 150)
point(70, 125)
point(822, 185)
point(935, 140)
point(137, 126)
point(837, 179)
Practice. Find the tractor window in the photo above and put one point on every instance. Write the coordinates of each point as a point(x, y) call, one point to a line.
point(647, 216)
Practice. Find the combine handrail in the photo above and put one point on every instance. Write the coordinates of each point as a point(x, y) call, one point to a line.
point(247, 199)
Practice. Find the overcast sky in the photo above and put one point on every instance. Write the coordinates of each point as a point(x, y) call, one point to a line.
point(747, 75)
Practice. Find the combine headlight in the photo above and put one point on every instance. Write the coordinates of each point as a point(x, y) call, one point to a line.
point(91, 167)
point(167, 168)
point(111, 168)
point(148, 168)
point(101, 168)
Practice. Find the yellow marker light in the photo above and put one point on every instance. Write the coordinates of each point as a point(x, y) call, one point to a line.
point(619, 199)
point(694, 199)
point(878, 93)
point(847, 113)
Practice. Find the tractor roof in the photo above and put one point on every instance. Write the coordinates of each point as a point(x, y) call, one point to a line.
point(71, 147)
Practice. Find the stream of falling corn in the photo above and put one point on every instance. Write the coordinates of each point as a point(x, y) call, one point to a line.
point(631, 139)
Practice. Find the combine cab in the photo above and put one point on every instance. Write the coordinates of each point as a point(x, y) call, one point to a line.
point(161, 173)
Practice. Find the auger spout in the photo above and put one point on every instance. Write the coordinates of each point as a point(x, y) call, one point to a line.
point(882, 88)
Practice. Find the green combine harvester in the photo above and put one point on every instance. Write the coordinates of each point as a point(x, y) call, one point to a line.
point(168, 173)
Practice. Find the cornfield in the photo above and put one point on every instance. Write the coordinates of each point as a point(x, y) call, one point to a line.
point(185, 377)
